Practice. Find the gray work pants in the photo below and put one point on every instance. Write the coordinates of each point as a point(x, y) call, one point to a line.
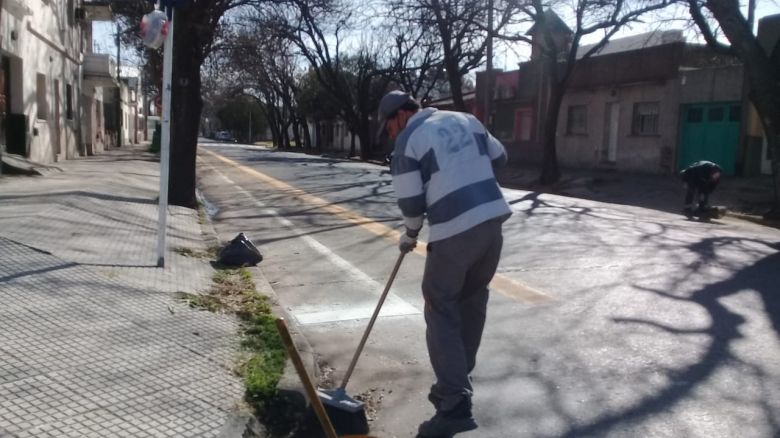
point(457, 272)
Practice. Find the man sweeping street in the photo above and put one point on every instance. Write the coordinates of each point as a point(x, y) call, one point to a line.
point(442, 169)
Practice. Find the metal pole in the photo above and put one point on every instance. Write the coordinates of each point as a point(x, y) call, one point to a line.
point(119, 88)
point(165, 147)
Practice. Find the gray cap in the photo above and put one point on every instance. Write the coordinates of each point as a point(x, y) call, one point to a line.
point(389, 105)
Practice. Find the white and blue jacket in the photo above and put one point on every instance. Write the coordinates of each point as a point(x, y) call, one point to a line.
point(443, 168)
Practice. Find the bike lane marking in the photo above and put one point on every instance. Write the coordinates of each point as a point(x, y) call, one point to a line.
point(333, 312)
point(501, 283)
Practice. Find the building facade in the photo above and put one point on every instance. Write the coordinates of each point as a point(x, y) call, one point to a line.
point(52, 87)
point(649, 103)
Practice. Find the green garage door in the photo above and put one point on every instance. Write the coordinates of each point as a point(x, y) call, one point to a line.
point(710, 131)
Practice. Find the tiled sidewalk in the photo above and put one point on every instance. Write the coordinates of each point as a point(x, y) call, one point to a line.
point(93, 341)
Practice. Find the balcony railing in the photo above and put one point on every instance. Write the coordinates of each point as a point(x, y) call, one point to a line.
point(100, 68)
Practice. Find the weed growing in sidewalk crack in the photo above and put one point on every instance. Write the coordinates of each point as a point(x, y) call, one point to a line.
point(234, 290)
point(199, 301)
point(209, 253)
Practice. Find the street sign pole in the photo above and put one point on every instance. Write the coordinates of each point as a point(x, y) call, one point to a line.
point(165, 147)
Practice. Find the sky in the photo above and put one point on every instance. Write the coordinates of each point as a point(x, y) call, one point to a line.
point(505, 57)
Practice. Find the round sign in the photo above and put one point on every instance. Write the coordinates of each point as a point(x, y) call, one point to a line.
point(154, 28)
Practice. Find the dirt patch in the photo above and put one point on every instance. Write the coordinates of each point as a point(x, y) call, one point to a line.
point(373, 401)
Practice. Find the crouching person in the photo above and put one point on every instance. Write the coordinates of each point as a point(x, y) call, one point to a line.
point(699, 179)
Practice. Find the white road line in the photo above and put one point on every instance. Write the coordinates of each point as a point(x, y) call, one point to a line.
point(502, 284)
point(327, 312)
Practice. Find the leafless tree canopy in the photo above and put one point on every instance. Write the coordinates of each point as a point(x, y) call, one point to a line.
point(559, 45)
point(307, 61)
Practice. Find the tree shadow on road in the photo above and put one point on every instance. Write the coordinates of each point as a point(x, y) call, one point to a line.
point(537, 203)
point(762, 277)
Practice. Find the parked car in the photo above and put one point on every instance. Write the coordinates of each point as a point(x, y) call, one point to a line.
point(225, 136)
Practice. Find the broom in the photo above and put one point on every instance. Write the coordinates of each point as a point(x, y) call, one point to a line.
point(346, 412)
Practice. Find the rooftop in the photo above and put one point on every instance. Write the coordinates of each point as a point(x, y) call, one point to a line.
point(636, 42)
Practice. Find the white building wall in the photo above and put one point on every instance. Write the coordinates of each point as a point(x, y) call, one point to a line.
point(132, 110)
point(39, 37)
point(342, 138)
point(635, 153)
point(93, 120)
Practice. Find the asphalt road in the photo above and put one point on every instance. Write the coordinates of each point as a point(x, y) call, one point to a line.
point(605, 320)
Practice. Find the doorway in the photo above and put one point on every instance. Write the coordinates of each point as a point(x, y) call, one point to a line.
point(5, 99)
point(710, 131)
point(57, 126)
point(611, 130)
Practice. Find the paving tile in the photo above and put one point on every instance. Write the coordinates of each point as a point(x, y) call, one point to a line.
point(36, 400)
point(93, 341)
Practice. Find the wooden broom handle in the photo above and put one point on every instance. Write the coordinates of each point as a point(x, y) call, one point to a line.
point(311, 391)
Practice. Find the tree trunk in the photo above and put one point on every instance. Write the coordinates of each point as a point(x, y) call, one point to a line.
point(364, 132)
point(296, 133)
point(764, 87)
point(450, 58)
point(285, 128)
point(306, 134)
point(456, 89)
point(284, 142)
point(352, 146)
point(275, 140)
point(550, 171)
point(317, 135)
point(186, 105)
point(773, 142)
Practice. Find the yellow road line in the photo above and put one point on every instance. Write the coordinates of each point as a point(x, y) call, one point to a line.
point(501, 283)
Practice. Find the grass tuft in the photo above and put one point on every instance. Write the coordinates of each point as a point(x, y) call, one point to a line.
point(209, 253)
point(198, 301)
point(234, 290)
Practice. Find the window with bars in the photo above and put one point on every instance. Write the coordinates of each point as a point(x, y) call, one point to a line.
point(577, 120)
point(40, 97)
point(69, 101)
point(645, 121)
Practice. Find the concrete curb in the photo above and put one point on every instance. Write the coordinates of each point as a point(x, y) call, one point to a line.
point(290, 381)
point(264, 287)
point(755, 219)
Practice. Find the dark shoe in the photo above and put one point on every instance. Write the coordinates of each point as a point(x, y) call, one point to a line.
point(442, 426)
point(448, 423)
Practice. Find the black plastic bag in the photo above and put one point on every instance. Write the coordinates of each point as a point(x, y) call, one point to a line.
point(239, 252)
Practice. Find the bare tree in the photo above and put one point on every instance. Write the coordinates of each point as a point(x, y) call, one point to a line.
point(763, 69)
point(458, 28)
point(559, 56)
point(265, 68)
point(416, 61)
point(318, 29)
point(315, 104)
point(197, 26)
